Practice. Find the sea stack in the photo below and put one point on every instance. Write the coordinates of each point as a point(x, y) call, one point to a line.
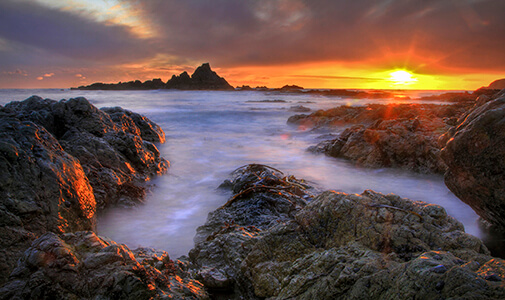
point(202, 79)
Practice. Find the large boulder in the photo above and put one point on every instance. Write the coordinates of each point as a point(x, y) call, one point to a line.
point(338, 246)
point(42, 188)
point(83, 265)
point(114, 146)
point(474, 153)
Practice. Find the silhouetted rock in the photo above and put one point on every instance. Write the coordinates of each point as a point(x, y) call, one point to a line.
point(202, 79)
point(272, 240)
point(497, 84)
point(474, 152)
point(82, 265)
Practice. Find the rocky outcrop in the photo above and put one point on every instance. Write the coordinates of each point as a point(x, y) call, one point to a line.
point(61, 161)
point(337, 246)
point(497, 84)
point(202, 79)
point(154, 84)
point(263, 198)
point(114, 146)
point(395, 135)
point(474, 152)
point(42, 188)
point(82, 265)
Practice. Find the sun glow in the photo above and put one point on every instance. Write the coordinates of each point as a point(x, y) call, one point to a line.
point(402, 77)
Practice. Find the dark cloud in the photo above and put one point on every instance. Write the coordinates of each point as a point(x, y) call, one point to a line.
point(428, 35)
point(34, 26)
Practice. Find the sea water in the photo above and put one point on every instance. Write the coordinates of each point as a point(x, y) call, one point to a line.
point(211, 133)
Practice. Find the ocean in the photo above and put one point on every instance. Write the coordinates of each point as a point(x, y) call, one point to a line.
point(211, 133)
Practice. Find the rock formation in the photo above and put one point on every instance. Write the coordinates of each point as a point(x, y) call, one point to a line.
point(393, 135)
point(42, 188)
point(497, 84)
point(82, 265)
point(474, 153)
point(61, 161)
point(272, 240)
point(202, 79)
point(114, 146)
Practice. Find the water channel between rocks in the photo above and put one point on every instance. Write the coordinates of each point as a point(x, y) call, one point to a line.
point(209, 134)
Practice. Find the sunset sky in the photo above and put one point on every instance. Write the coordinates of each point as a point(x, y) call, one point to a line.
point(436, 44)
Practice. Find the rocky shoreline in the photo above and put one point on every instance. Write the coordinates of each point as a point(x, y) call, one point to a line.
point(277, 237)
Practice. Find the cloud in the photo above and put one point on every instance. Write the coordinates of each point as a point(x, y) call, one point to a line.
point(17, 72)
point(68, 34)
point(49, 75)
point(428, 37)
point(431, 36)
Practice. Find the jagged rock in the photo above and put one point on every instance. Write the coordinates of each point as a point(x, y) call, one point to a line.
point(264, 197)
point(202, 79)
point(82, 265)
point(474, 152)
point(394, 135)
point(115, 146)
point(42, 188)
point(341, 246)
point(61, 161)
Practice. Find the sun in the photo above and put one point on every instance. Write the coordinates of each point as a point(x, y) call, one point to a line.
point(402, 77)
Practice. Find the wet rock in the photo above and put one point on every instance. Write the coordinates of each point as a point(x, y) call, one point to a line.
point(394, 135)
point(114, 146)
point(82, 265)
point(342, 246)
point(474, 152)
point(263, 197)
point(61, 161)
point(42, 188)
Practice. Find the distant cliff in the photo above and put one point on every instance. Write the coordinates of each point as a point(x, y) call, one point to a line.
point(202, 79)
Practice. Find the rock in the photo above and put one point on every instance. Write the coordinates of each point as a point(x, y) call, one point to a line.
point(498, 84)
point(299, 108)
point(42, 188)
point(264, 197)
point(474, 152)
point(83, 265)
point(114, 146)
point(202, 79)
point(395, 135)
point(340, 246)
point(61, 161)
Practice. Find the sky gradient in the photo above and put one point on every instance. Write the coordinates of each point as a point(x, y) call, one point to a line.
point(443, 44)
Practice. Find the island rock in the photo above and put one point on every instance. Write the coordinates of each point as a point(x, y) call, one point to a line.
point(202, 79)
